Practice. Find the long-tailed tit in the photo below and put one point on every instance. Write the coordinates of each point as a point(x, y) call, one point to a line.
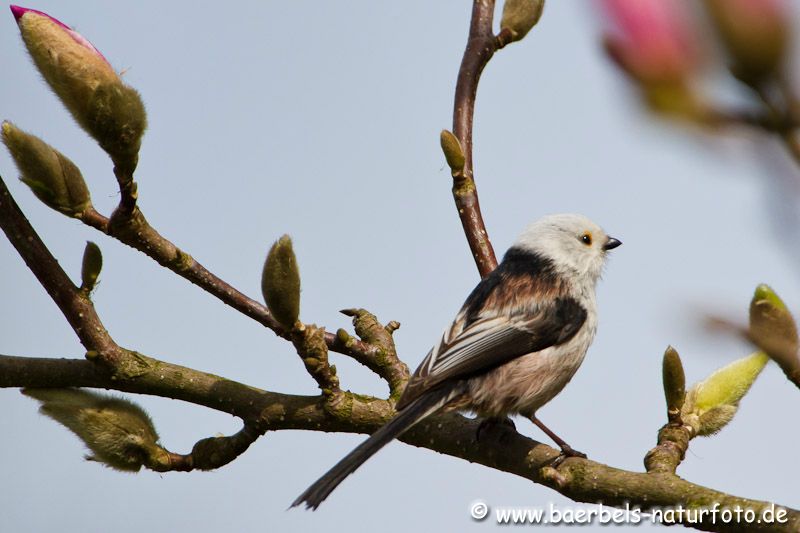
point(517, 341)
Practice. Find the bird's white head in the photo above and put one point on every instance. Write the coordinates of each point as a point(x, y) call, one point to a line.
point(575, 245)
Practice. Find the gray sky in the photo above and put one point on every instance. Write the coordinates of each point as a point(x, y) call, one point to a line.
point(321, 120)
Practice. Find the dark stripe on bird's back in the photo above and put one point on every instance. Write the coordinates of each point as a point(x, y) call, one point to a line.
point(520, 271)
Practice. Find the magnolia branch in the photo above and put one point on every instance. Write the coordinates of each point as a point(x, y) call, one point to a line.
point(451, 434)
point(119, 364)
point(131, 228)
point(481, 46)
point(779, 102)
point(109, 366)
point(73, 303)
point(262, 411)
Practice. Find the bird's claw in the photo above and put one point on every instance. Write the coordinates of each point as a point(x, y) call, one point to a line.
point(566, 451)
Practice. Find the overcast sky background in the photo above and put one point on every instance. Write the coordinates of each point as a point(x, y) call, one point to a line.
point(321, 120)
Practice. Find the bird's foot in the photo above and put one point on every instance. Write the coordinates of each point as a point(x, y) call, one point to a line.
point(492, 425)
point(566, 451)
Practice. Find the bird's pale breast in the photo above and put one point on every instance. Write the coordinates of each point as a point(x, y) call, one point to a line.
point(528, 382)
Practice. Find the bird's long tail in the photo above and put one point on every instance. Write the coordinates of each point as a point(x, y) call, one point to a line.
point(410, 415)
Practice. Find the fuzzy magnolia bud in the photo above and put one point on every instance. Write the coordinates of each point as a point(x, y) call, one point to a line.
point(674, 383)
point(712, 403)
point(773, 329)
point(453, 153)
point(519, 16)
point(91, 266)
point(755, 33)
point(89, 87)
point(655, 44)
point(652, 40)
point(280, 283)
point(119, 433)
point(52, 177)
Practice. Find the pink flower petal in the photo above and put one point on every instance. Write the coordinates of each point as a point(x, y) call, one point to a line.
point(19, 12)
point(655, 36)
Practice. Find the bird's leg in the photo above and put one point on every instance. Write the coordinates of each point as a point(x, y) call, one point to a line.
point(492, 423)
point(566, 449)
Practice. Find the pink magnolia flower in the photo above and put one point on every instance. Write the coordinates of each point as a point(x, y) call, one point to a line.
point(652, 40)
point(19, 12)
point(86, 84)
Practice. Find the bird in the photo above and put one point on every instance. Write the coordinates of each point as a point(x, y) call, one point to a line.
point(517, 341)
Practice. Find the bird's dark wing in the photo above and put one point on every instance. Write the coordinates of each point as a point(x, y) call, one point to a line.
point(488, 342)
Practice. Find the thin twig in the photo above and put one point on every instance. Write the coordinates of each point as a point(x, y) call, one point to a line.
point(74, 304)
point(386, 363)
point(210, 453)
point(783, 115)
point(128, 191)
point(309, 341)
point(718, 118)
point(780, 349)
point(136, 232)
point(481, 46)
point(792, 145)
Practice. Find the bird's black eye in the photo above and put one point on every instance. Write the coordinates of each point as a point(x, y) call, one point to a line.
point(586, 239)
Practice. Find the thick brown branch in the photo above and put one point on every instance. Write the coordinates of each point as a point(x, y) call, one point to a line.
point(451, 434)
point(673, 441)
point(73, 303)
point(481, 46)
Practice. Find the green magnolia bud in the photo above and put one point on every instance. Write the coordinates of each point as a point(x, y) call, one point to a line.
point(674, 383)
point(119, 433)
point(110, 111)
point(712, 403)
point(452, 151)
point(91, 266)
point(716, 418)
point(730, 383)
point(52, 177)
point(280, 283)
point(764, 292)
point(773, 328)
point(519, 16)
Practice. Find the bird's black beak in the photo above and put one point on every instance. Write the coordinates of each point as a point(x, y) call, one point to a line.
point(611, 243)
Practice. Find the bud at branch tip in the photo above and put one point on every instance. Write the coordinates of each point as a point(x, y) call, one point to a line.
point(519, 16)
point(280, 283)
